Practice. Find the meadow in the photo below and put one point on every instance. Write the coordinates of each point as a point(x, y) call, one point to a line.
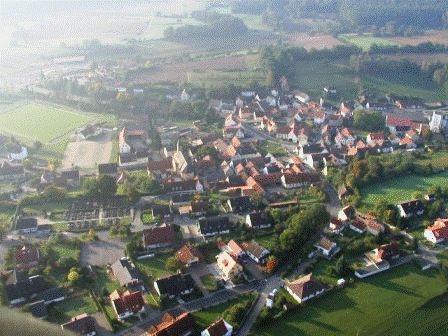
point(370, 307)
point(365, 42)
point(401, 188)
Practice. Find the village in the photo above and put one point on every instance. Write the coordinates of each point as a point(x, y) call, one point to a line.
point(252, 212)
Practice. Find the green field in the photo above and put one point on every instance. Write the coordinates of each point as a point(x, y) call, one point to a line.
point(312, 76)
point(42, 122)
point(398, 302)
point(65, 310)
point(153, 267)
point(401, 188)
point(364, 42)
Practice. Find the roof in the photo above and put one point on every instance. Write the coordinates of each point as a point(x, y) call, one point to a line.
point(187, 253)
point(255, 249)
point(209, 225)
point(241, 203)
point(51, 294)
point(226, 261)
point(7, 169)
point(199, 206)
point(439, 228)
point(70, 174)
point(128, 301)
point(27, 255)
point(301, 178)
point(217, 328)
point(159, 235)
point(259, 218)
point(305, 286)
point(162, 165)
point(173, 326)
point(107, 168)
point(412, 206)
point(326, 244)
point(175, 284)
point(83, 324)
point(25, 288)
point(234, 248)
point(125, 271)
point(39, 309)
point(26, 223)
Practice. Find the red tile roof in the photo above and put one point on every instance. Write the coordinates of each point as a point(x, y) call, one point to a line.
point(162, 165)
point(173, 326)
point(159, 235)
point(187, 253)
point(128, 301)
point(217, 328)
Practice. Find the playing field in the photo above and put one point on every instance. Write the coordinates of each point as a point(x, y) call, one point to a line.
point(401, 301)
point(42, 122)
point(400, 189)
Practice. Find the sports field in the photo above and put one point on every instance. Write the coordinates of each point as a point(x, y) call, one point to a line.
point(400, 189)
point(401, 301)
point(42, 122)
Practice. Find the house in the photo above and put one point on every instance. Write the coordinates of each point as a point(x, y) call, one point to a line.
point(240, 204)
point(89, 132)
point(371, 224)
point(21, 290)
point(18, 153)
point(127, 304)
point(26, 225)
point(311, 149)
point(229, 268)
point(438, 232)
point(182, 325)
point(305, 288)
point(26, 257)
point(346, 213)
point(10, 172)
point(83, 324)
point(110, 169)
point(336, 225)
point(357, 225)
point(160, 211)
point(182, 185)
point(256, 252)
point(387, 252)
point(199, 208)
point(174, 285)
point(259, 220)
point(126, 273)
point(71, 178)
point(189, 255)
point(159, 168)
point(300, 180)
point(411, 208)
point(344, 137)
point(39, 309)
point(234, 249)
point(327, 247)
point(160, 236)
point(218, 328)
point(211, 226)
point(52, 295)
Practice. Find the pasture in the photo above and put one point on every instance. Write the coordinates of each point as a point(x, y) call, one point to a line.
point(365, 42)
point(369, 308)
point(401, 188)
point(42, 122)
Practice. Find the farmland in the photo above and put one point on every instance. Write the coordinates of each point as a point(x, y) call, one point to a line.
point(434, 36)
point(365, 42)
point(369, 308)
point(401, 188)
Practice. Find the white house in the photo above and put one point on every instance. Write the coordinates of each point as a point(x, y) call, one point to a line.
point(438, 232)
point(305, 288)
point(327, 247)
point(218, 328)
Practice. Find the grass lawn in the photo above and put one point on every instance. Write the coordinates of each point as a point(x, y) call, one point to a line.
point(267, 241)
point(364, 42)
point(71, 307)
point(370, 307)
point(400, 189)
point(154, 267)
point(322, 269)
point(67, 250)
point(215, 77)
point(103, 281)
point(207, 316)
point(436, 159)
point(209, 282)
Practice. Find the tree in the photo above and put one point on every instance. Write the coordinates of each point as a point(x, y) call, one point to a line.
point(37, 144)
point(172, 264)
point(106, 185)
point(370, 121)
point(271, 264)
point(73, 275)
point(53, 193)
point(341, 266)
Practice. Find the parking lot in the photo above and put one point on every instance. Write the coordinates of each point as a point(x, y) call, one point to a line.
point(102, 252)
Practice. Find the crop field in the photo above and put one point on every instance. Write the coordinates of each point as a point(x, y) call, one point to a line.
point(312, 42)
point(41, 122)
point(434, 36)
point(370, 308)
point(400, 189)
point(365, 42)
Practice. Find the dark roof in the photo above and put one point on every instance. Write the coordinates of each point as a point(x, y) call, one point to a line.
point(235, 181)
point(83, 324)
point(183, 185)
point(160, 210)
point(312, 148)
point(52, 294)
point(125, 271)
point(210, 225)
point(26, 223)
point(39, 309)
point(175, 284)
point(127, 157)
point(301, 178)
point(181, 198)
point(26, 288)
point(7, 169)
point(241, 203)
point(258, 218)
point(199, 206)
point(159, 235)
point(70, 174)
point(107, 168)
point(412, 207)
point(27, 255)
